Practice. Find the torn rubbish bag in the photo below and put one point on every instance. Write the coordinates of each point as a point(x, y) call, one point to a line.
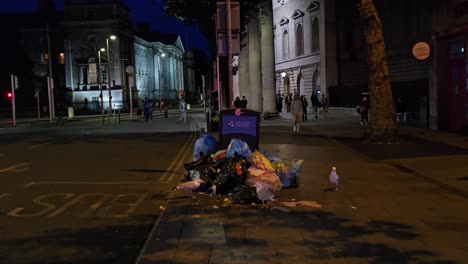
point(205, 145)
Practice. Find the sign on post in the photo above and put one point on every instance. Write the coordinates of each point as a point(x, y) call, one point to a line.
point(239, 123)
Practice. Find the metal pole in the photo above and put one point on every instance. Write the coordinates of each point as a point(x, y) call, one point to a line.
point(159, 81)
point(130, 83)
point(110, 79)
point(229, 53)
point(100, 86)
point(51, 76)
point(13, 106)
point(49, 90)
point(38, 104)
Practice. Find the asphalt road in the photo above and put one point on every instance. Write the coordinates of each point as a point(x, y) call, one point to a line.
point(82, 195)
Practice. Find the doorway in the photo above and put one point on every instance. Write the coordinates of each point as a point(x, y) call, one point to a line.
point(458, 94)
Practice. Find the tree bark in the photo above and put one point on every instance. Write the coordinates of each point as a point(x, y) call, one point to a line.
point(383, 122)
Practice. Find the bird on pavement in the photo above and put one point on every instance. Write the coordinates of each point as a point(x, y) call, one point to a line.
point(333, 179)
point(189, 187)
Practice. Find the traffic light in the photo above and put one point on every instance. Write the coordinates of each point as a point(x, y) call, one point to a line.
point(9, 95)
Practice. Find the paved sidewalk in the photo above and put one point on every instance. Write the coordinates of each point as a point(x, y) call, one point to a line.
point(397, 203)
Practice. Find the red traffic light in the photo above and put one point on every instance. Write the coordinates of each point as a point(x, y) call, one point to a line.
point(9, 95)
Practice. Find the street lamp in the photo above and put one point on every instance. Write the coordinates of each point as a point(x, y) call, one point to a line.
point(109, 61)
point(163, 55)
point(100, 82)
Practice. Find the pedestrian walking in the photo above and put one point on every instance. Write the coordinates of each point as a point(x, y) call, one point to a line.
point(183, 110)
point(315, 103)
point(324, 104)
point(400, 110)
point(296, 108)
point(305, 104)
point(288, 100)
point(244, 102)
point(279, 102)
point(363, 109)
point(147, 110)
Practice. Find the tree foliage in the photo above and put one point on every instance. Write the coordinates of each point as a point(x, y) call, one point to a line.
point(383, 113)
point(202, 13)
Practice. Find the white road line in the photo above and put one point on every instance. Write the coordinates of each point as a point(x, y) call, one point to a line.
point(16, 168)
point(4, 195)
point(90, 183)
point(40, 145)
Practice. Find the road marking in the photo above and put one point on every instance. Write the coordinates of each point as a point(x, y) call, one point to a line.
point(90, 183)
point(17, 168)
point(40, 145)
point(4, 195)
point(182, 155)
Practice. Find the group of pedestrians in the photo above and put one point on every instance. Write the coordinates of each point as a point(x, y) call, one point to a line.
point(238, 103)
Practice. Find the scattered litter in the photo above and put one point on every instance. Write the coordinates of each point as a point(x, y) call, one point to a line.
point(162, 208)
point(352, 207)
point(312, 204)
point(215, 206)
point(279, 208)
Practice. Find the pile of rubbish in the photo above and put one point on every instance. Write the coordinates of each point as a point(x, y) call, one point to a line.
point(246, 177)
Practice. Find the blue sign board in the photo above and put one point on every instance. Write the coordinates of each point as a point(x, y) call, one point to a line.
point(242, 124)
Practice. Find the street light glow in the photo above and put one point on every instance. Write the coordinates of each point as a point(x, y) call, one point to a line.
point(102, 49)
point(113, 37)
point(163, 54)
point(283, 74)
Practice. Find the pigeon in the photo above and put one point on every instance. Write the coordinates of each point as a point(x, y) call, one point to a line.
point(189, 186)
point(333, 179)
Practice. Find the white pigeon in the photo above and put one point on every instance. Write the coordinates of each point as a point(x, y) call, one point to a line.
point(189, 186)
point(333, 179)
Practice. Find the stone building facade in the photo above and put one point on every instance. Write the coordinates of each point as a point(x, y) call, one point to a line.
point(304, 46)
point(157, 58)
point(159, 66)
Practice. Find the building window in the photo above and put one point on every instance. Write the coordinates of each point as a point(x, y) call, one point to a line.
point(44, 58)
point(285, 45)
point(61, 58)
point(315, 35)
point(104, 74)
point(84, 75)
point(93, 72)
point(299, 40)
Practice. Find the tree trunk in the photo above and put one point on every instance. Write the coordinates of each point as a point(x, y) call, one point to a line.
point(383, 122)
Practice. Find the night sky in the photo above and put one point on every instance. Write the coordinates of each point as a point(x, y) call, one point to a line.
point(151, 11)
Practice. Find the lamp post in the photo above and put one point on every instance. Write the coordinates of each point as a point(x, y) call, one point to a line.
point(159, 77)
point(109, 61)
point(100, 83)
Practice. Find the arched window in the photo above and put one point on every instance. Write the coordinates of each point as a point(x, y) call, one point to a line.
point(315, 35)
point(299, 40)
point(285, 45)
point(93, 71)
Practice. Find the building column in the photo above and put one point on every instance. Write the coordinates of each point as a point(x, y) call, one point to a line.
point(255, 81)
point(327, 45)
point(268, 58)
point(244, 79)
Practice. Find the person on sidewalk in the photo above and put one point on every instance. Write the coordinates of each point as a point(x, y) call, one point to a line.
point(288, 101)
point(400, 110)
point(324, 103)
point(244, 102)
point(237, 102)
point(305, 104)
point(296, 109)
point(315, 103)
point(183, 110)
point(363, 109)
point(148, 111)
